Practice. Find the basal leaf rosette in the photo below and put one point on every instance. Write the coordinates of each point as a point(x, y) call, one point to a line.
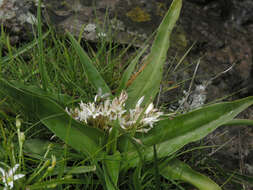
point(101, 113)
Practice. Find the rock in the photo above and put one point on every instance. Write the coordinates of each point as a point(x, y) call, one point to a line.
point(17, 18)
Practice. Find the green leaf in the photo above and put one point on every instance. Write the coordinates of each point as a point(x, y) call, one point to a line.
point(37, 148)
point(128, 72)
point(61, 99)
point(111, 166)
point(80, 169)
point(239, 122)
point(42, 66)
point(73, 170)
point(90, 70)
point(111, 145)
point(52, 183)
point(148, 81)
point(2, 153)
point(178, 170)
point(170, 135)
point(136, 178)
point(80, 137)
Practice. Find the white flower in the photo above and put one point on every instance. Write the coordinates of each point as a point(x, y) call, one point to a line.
point(150, 108)
point(139, 102)
point(111, 110)
point(102, 34)
point(8, 177)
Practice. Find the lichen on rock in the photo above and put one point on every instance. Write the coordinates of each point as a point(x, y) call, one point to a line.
point(138, 15)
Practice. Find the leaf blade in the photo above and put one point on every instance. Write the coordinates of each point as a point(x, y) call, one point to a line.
point(148, 81)
point(91, 72)
point(81, 138)
point(171, 135)
point(178, 170)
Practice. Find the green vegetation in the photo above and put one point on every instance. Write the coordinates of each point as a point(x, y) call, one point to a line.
point(100, 145)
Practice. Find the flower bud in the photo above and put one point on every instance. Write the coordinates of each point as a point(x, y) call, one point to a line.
point(18, 123)
point(22, 137)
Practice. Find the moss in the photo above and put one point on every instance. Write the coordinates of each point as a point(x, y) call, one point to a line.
point(138, 15)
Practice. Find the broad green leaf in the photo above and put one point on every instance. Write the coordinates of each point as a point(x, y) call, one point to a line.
point(111, 165)
point(80, 137)
point(170, 135)
point(148, 81)
point(128, 72)
point(178, 170)
point(193, 126)
point(37, 148)
point(61, 99)
point(90, 70)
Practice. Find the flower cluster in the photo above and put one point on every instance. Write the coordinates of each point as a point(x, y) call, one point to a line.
point(8, 178)
point(102, 113)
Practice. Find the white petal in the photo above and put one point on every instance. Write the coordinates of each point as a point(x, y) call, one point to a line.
point(123, 97)
point(140, 101)
point(13, 170)
point(66, 109)
point(10, 184)
point(105, 95)
point(150, 107)
point(18, 176)
point(143, 130)
point(96, 97)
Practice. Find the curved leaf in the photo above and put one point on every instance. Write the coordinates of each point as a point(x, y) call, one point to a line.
point(90, 70)
point(81, 138)
point(178, 170)
point(239, 122)
point(147, 83)
point(36, 148)
point(170, 135)
point(130, 69)
point(111, 166)
point(61, 99)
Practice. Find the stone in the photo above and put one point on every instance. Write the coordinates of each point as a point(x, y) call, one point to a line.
point(17, 19)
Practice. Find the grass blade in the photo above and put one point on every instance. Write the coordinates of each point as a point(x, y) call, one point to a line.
point(23, 49)
point(42, 66)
